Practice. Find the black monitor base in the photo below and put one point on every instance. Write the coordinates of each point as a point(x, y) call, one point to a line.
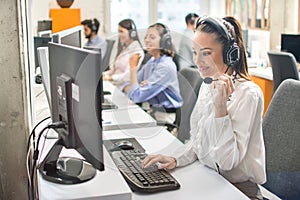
point(65, 170)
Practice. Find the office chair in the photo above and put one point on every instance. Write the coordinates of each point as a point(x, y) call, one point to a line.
point(189, 84)
point(281, 129)
point(284, 66)
point(106, 58)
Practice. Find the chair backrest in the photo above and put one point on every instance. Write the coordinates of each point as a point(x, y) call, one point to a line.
point(106, 58)
point(189, 84)
point(281, 128)
point(284, 66)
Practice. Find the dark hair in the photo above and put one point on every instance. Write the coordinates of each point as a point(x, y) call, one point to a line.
point(166, 46)
point(234, 30)
point(93, 24)
point(130, 26)
point(190, 18)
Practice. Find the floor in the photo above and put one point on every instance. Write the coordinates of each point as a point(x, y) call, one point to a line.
point(41, 103)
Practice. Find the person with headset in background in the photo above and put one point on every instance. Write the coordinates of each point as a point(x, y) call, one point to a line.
point(185, 53)
point(128, 44)
point(226, 123)
point(156, 82)
point(91, 27)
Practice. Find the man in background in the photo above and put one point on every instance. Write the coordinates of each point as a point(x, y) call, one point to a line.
point(185, 54)
point(91, 27)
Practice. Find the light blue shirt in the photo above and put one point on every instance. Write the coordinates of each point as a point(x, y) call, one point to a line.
point(163, 87)
point(98, 42)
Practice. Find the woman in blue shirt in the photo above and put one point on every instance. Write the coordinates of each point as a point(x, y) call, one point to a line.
point(156, 82)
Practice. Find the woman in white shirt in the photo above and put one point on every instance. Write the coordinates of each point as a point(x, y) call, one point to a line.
point(226, 123)
point(128, 45)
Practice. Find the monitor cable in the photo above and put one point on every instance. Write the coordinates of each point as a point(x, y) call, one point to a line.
point(54, 125)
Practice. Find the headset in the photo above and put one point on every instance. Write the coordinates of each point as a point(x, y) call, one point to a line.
point(132, 32)
point(231, 51)
point(165, 40)
point(192, 20)
point(93, 26)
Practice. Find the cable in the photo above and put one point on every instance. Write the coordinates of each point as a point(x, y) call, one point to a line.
point(32, 134)
point(36, 152)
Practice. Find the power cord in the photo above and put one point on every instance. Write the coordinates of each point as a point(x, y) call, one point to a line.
point(54, 125)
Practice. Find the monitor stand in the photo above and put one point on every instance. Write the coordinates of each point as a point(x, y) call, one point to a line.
point(65, 170)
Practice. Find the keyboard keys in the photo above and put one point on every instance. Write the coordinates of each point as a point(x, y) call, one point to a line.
point(140, 179)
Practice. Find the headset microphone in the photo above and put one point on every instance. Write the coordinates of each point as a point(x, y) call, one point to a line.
point(209, 80)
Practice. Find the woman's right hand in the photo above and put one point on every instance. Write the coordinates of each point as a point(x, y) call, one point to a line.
point(134, 60)
point(165, 162)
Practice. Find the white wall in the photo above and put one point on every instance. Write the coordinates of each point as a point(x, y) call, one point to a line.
point(88, 9)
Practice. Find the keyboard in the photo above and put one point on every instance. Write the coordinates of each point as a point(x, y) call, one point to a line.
point(149, 180)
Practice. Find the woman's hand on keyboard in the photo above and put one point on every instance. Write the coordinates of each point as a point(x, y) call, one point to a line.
point(165, 162)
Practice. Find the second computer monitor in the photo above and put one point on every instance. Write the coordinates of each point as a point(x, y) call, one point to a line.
point(72, 36)
point(291, 43)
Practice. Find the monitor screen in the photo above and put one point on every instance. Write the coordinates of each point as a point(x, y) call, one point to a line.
point(291, 43)
point(44, 25)
point(72, 36)
point(47, 33)
point(75, 84)
point(39, 42)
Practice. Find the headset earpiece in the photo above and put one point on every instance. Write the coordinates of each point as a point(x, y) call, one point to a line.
point(192, 21)
point(166, 39)
point(133, 32)
point(93, 26)
point(231, 51)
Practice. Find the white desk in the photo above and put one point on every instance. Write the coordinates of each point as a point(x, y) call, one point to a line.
point(116, 96)
point(106, 185)
point(128, 114)
point(261, 72)
point(124, 118)
point(197, 181)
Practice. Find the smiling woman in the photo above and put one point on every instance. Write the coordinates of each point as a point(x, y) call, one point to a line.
point(226, 123)
point(156, 82)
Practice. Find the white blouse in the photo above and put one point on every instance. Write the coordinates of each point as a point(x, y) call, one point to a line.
point(120, 70)
point(232, 145)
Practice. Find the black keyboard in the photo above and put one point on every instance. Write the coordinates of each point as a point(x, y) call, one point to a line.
point(139, 179)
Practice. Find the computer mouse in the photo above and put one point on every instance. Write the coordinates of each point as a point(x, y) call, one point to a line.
point(124, 145)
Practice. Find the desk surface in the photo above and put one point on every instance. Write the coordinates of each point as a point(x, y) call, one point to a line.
point(261, 72)
point(116, 96)
point(197, 181)
point(124, 118)
point(128, 114)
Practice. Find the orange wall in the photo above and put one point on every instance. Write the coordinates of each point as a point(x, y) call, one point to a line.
point(64, 18)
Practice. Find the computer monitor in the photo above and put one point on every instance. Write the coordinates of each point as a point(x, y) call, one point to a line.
point(106, 103)
point(39, 42)
point(43, 58)
point(47, 33)
point(291, 43)
point(44, 25)
point(75, 84)
point(72, 36)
